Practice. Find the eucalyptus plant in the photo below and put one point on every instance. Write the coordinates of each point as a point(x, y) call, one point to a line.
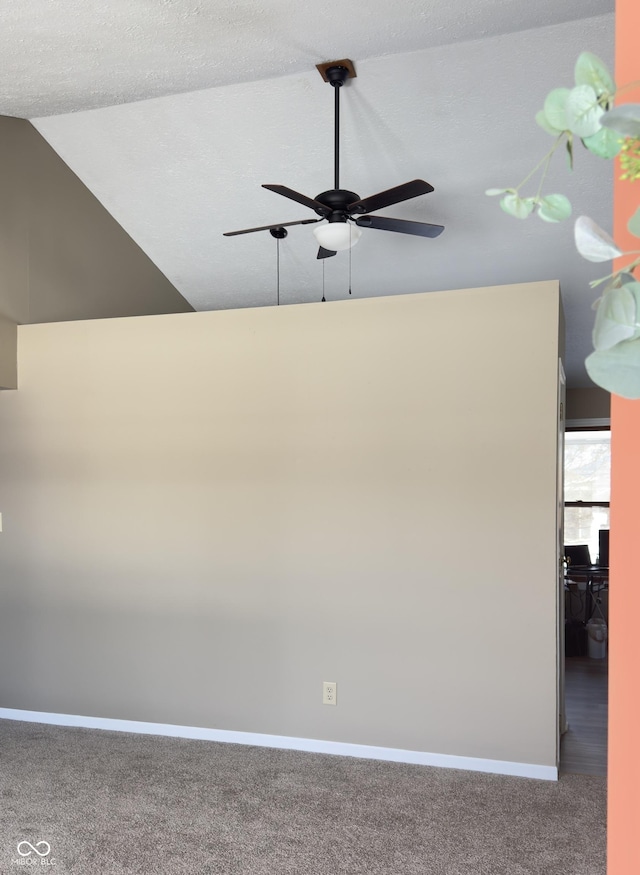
point(586, 113)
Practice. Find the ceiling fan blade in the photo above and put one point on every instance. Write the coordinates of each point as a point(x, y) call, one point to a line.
point(325, 253)
point(269, 227)
point(300, 198)
point(402, 226)
point(391, 196)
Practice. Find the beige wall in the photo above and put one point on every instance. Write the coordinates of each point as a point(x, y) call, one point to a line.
point(206, 515)
point(14, 221)
point(8, 354)
point(62, 255)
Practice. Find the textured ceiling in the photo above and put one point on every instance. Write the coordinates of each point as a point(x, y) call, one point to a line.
point(66, 55)
point(445, 92)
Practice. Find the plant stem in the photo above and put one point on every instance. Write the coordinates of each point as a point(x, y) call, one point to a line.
point(629, 268)
point(626, 87)
point(546, 158)
point(544, 174)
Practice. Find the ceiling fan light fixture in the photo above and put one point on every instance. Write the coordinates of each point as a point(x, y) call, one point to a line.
point(337, 236)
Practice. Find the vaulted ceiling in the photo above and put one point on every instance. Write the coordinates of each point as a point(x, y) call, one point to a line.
point(174, 112)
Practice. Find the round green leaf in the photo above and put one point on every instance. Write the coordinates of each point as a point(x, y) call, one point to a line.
point(582, 111)
point(546, 125)
point(634, 223)
point(592, 242)
point(492, 192)
point(605, 143)
point(634, 288)
point(554, 208)
point(624, 119)
point(615, 318)
point(624, 279)
point(520, 207)
point(590, 70)
point(617, 369)
point(554, 108)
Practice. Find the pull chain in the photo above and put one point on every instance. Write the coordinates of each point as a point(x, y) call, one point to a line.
point(278, 233)
point(350, 247)
point(278, 270)
point(323, 297)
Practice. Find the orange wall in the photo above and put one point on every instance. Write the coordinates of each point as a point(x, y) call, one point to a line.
point(624, 610)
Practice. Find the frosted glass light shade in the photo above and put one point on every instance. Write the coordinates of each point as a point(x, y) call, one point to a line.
point(336, 236)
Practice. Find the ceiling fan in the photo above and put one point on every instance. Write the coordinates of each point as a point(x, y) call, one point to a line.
point(344, 211)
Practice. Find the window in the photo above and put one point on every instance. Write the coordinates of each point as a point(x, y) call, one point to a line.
point(587, 482)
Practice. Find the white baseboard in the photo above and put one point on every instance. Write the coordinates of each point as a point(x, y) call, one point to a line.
point(311, 745)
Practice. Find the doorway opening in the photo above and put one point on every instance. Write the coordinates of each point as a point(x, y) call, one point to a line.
point(587, 478)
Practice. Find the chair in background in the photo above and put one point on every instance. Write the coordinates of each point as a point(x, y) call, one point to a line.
point(603, 548)
point(577, 556)
point(582, 575)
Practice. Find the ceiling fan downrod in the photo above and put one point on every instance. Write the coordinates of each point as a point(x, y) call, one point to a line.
point(336, 76)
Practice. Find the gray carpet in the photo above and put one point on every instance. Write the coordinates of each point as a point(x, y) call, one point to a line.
point(110, 802)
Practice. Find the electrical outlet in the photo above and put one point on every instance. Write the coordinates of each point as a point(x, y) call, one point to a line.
point(329, 693)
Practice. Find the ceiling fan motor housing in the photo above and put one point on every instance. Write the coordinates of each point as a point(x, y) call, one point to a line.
point(337, 199)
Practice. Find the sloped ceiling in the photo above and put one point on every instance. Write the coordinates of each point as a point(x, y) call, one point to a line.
point(174, 113)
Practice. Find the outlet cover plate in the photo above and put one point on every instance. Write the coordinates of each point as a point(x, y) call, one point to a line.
point(329, 693)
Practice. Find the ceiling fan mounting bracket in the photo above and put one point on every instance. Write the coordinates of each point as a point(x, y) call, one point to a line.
point(337, 72)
